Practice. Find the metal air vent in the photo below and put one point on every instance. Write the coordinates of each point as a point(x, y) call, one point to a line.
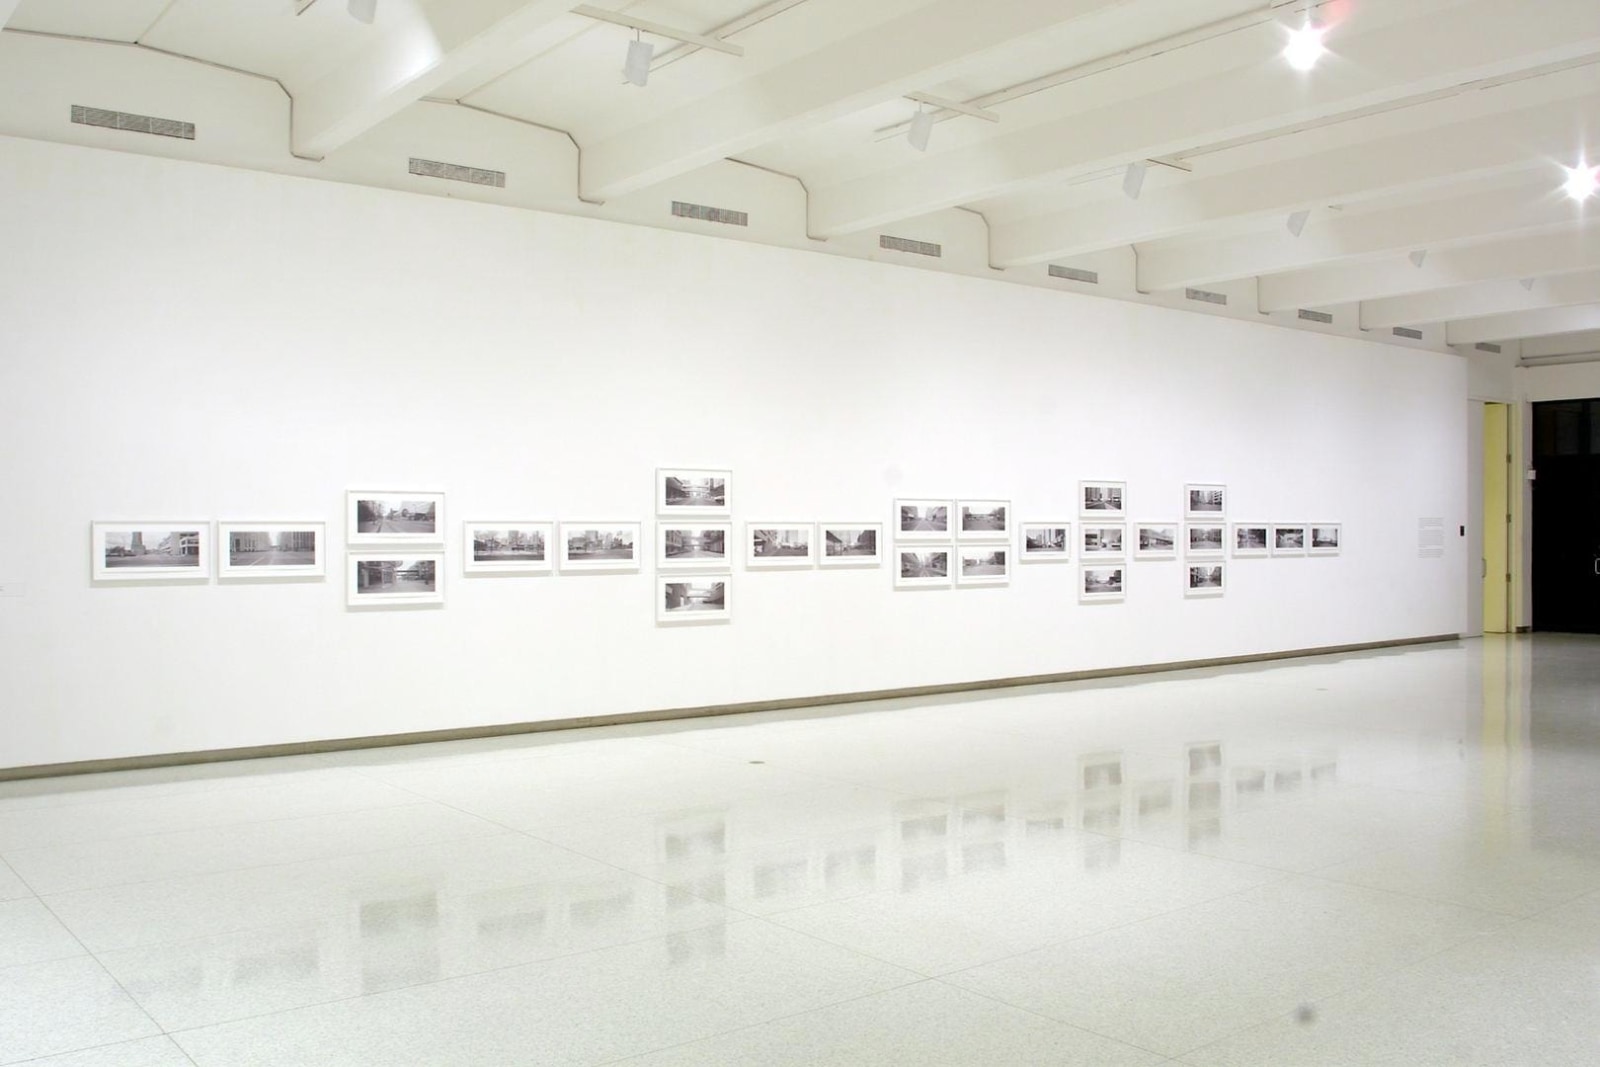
point(1485, 346)
point(1073, 274)
point(1408, 332)
point(122, 120)
point(1316, 316)
point(905, 244)
point(1205, 296)
point(710, 214)
point(455, 172)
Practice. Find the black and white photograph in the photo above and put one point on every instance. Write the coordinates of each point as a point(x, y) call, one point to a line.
point(916, 567)
point(1325, 540)
point(984, 520)
point(694, 546)
point(394, 517)
point(1102, 541)
point(922, 520)
point(984, 565)
point(1205, 501)
point(1103, 500)
point(599, 546)
point(1101, 582)
point(779, 544)
point(1155, 540)
point(1048, 541)
point(150, 551)
point(693, 492)
point(271, 550)
point(851, 544)
point(1206, 540)
point(508, 547)
point(1251, 539)
point(1288, 540)
point(386, 579)
point(693, 598)
point(1204, 579)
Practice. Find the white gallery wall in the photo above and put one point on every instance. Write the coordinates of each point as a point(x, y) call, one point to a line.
point(183, 341)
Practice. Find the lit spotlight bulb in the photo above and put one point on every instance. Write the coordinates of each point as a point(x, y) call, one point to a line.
point(1582, 180)
point(1305, 46)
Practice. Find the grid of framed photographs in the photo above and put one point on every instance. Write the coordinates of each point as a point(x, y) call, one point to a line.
point(943, 541)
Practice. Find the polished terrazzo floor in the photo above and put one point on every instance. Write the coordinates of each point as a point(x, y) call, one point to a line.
point(1389, 858)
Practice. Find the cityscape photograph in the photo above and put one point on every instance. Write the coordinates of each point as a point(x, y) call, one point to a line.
point(153, 547)
point(267, 548)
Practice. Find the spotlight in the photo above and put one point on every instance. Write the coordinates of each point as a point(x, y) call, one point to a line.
point(1305, 46)
point(1418, 258)
point(637, 67)
point(1297, 222)
point(363, 10)
point(921, 129)
point(1582, 180)
point(1133, 179)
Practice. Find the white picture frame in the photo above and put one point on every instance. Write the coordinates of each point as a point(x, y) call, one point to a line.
point(1103, 501)
point(694, 492)
point(271, 551)
point(150, 551)
point(1205, 502)
point(1204, 578)
point(1155, 540)
point(1044, 541)
point(1250, 540)
point(511, 546)
point(1288, 539)
point(376, 578)
point(983, 520)
point(694, 599)
point(983, 563)
point(780, 545)
point(850, 544)
point(610, 545)
point(923, 566)
point(1102, 582)
point(923, 519)
point(1324, 539)
point(376, 517)
point(1102, 540)
point(1205, 540)
point(694, 546)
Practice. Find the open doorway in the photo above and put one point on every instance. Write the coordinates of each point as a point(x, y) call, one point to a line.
point(1566, 516)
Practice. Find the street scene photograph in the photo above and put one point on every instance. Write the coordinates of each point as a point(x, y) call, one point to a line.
point(1206, 579)
point(921, 517)
point(1205, 538)
point(395, 515)
point(388, 577)
point(152, 547)
point(1250, 538)
point(689, 489)
point(700, 543)
point(1289, 538)
point(509, 546)
point(1102, 581)
point(690, 597)
point(1102, 496)
point(842, 541)
point(599, 544)
point(1102, 540)
point(983, 562)
point(274, 548)
point(1044, 540)
point(934, 564)
point(1206, 500)
point(780, 542)
point(1158, 538)
point(983, 517)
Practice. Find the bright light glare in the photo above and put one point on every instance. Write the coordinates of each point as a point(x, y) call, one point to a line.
point(1305, 46)
point(1582, 180)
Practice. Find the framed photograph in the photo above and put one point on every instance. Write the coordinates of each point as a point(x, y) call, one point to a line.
point(1288, 540)
point(921, 567)
point(268, 550)
point(850, 544)
point(1203, 579)
point(1101, 581)
point(1206, 540)
point(1205, 501)
point(983, 520)
point(983, 564)
point(509, 547)
point(377, 579)
point(693, 545)
point(1326, 539)
point(600, 546)
point(1100, 542)
point(1155, 540)
point(150, 551)
point(780, 544)
point(1103, 500)
point(689, 492)
point(1048, 541)
point(922, 520)
point(1251, 539)
point(693, 598)
point(393, 517)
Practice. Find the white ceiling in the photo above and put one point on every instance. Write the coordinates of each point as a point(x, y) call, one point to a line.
point(1437, 125)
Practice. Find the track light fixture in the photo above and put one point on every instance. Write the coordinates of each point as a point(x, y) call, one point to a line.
point(1418, 258)
point(1297, 222)
point(921, 129)
point(1582, 180)
point(636, 68)
point(1133, 179)
point(1305, 45)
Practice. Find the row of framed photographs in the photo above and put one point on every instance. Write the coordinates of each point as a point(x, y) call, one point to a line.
point(935, 567)
point(922, 519)
point(520, 547)
point(1049, 541)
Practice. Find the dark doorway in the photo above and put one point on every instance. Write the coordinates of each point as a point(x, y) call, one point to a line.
point(1566, 516)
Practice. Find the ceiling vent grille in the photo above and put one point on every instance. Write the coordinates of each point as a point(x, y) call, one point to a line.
point(1408, 332)
point(1485, 346)
point(1074, 274)
point(455, 172)
point(122, 120)
point(1206, 296)
point(1316, 316)
point(905, 244)
point(710, 214)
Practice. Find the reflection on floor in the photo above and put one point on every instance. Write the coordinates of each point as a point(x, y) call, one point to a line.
point(1385, 858)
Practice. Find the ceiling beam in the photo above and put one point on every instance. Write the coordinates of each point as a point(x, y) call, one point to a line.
point(413, 50)
point(1247, 92)
point(1525, 206)
point(1519, 324)
point(1506, 143)
point(887, 61)
point(1532, 256)
point(1484, 298)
